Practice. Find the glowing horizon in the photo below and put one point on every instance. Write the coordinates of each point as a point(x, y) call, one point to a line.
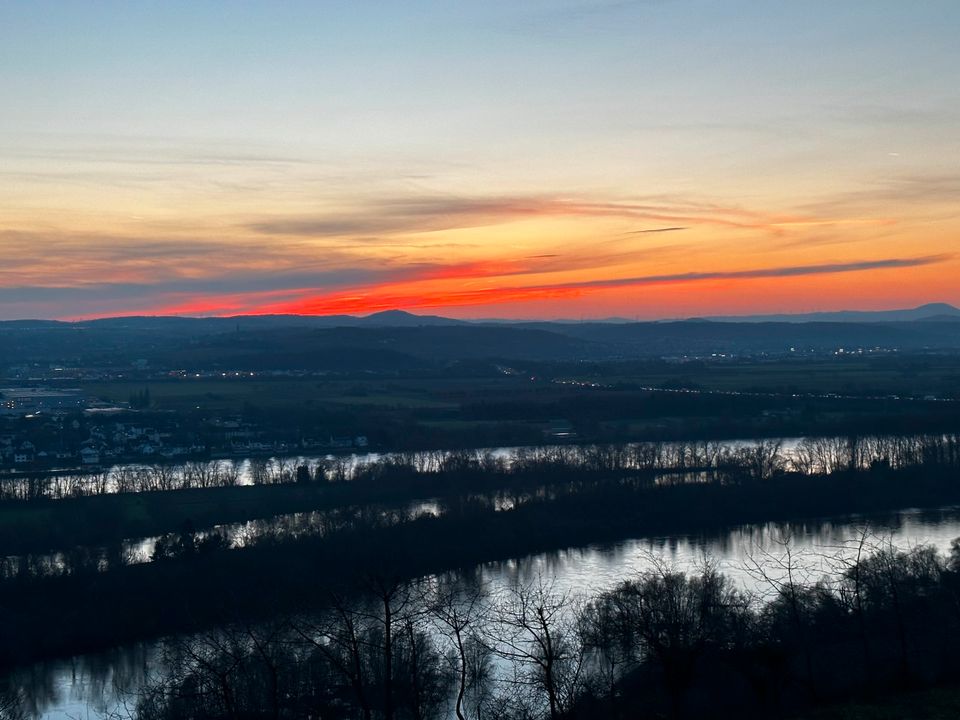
point(575, 158)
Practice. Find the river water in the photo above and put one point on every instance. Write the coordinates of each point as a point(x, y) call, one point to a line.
point(104, 685)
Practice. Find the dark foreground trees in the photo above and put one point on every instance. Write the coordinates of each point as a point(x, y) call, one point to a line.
point(661, 644)
point(671, 621)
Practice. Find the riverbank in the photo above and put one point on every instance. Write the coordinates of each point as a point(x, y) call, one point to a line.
point(96, 610)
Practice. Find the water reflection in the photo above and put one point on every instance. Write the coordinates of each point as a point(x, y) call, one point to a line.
point(95, 686)
point(817, 547)
point(91, 686)
point(134, 477)
point(290, 526)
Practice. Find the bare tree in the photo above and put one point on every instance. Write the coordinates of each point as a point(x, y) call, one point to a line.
point(674, 619)
point(458, 613)
point(258, 471)
point(895, 580)
point(792, 594)
point(339, 636)
point(536, 630)
point(608, 652)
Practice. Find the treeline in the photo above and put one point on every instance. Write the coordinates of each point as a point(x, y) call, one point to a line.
point(659, 644)
point(100, 604)
point(761, 458)
point(74, 535)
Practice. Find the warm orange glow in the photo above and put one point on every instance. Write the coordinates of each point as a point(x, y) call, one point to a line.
point(620, 158)
point(481, 257)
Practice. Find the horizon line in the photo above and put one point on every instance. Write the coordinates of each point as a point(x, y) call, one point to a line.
point(492, 319)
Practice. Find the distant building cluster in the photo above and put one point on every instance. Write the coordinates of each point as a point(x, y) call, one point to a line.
point(29, 401)
point(48, 428)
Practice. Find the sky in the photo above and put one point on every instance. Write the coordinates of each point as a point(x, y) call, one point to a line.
point(561, 159)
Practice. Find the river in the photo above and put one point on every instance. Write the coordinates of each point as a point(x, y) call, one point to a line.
point(97, 686)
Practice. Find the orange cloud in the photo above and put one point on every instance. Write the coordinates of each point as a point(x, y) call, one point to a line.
point(431, 214)
point(542, 249)
point(412, 297)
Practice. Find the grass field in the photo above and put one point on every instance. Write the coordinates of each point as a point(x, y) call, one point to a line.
point(439, 399)
point(231, 395)
point(938, 376)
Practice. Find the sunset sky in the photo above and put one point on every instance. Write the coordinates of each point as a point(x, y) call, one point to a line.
point(572, 158)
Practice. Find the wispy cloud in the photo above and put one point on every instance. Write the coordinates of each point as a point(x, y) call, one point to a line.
point(248, 284)
point(892, 194)
point(369, 255)
point(76, 259)
point(656, 230)
point(432, 213)
point(142, 151)
point(378, 298)
point(787, 271)
point(52, 273)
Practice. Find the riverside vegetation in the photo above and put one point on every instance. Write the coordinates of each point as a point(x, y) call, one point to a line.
point(877, 621)
point(488, 508)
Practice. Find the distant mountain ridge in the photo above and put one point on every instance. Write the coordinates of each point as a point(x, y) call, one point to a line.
point(401, 318)
point(400, 341)
point(384, 319)
point(930, 311)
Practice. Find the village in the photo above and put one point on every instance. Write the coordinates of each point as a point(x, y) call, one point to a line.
point(45, 428)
